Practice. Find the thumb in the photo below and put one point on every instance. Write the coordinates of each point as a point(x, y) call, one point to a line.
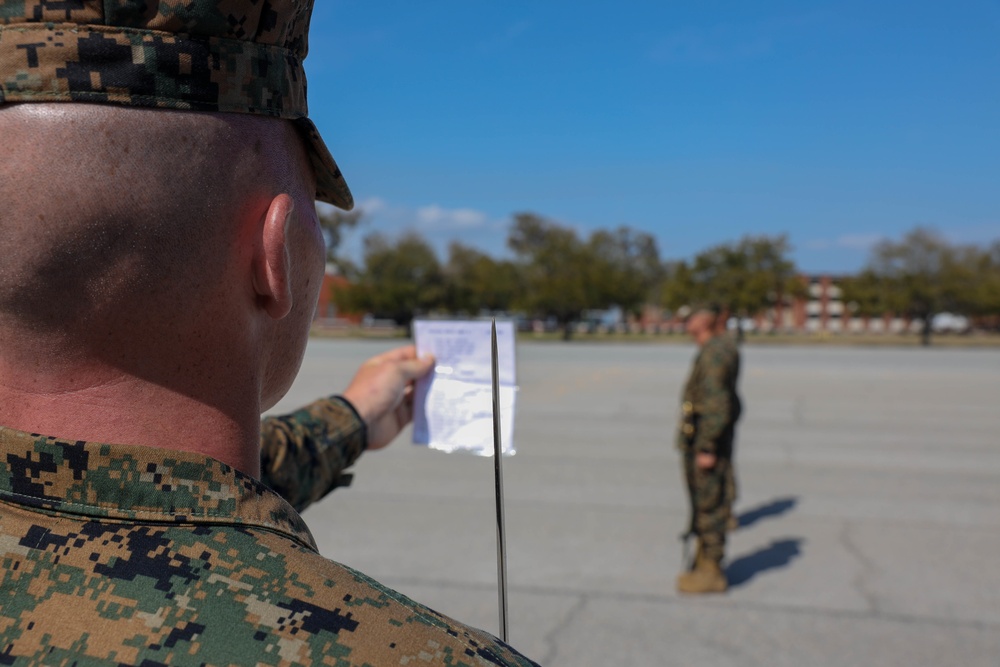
point(412, 369)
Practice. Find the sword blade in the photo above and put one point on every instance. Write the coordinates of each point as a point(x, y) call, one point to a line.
point(498, 475)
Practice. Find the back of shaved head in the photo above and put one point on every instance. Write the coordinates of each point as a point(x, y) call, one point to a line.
point(106, 210)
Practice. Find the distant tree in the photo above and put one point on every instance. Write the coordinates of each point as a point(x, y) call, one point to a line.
point(743, 277)
point(989, 298)
point(474, 281)
point(555, 267)
point(624, 269)
point(334, 222)
point(399, 280)
point(866, 294)
point(976, 273)
point(677, 288)
point(919, 276)
point(923, 275)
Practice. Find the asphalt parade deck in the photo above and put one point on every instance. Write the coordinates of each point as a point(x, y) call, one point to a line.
point(869, 504)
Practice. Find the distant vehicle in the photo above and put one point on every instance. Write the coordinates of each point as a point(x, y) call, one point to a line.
point(596, 319)
point(747, 324)
point(950, 323)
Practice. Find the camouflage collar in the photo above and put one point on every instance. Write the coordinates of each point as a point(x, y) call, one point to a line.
point(124, 482)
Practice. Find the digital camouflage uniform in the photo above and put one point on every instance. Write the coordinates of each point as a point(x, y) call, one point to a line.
point(709, 410)
point(303, 454)
point(134, 555)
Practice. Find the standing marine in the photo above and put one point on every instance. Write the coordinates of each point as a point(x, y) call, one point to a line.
point(709, 410)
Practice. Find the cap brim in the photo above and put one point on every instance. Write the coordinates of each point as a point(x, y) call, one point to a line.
point(330, 184)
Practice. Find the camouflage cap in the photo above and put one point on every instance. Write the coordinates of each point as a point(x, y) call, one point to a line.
point(242, 56)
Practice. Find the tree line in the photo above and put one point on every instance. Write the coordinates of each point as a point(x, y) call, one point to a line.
point(554, 272)
point(922, 275)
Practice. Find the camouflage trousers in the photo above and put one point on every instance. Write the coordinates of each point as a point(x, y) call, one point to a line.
point(712, 493)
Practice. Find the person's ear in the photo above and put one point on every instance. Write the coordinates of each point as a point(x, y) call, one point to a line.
point(272, 263)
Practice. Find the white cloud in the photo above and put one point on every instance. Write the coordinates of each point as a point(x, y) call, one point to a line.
point(437, 218)
point(438, 224)
point(385, 216)
point(372, 205)
point(323, 207)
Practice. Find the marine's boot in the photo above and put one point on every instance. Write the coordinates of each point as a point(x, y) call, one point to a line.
point(705, 577)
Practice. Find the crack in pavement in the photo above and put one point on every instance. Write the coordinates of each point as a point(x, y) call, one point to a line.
point(551, 636)
point(859, 581)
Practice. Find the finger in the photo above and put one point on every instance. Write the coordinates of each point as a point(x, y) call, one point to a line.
point(404, 414)
point(412, 369)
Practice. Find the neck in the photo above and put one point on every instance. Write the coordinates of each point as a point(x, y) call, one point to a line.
point(96, 403)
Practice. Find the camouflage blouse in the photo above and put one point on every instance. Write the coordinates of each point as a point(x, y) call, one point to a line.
point(303, 455)
point(710, 405)
point(133, 555)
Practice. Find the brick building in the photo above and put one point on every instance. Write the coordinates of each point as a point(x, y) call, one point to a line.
point(326, 309)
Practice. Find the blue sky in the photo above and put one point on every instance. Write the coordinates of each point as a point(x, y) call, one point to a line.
point(838, 123)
